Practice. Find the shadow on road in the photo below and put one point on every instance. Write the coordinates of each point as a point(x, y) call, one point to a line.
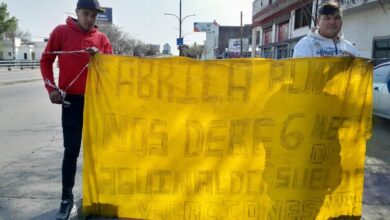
point(45, 216)
point(51, 214)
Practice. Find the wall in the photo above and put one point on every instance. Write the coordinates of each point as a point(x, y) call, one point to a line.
point(210, 45)
point(39, 47)
point(24, 49)
point(21, 49)
point(8, 48)
point(7, 52)
point(259, 5)
point(361, 27)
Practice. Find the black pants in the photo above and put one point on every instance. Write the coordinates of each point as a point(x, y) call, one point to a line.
point(72, 126)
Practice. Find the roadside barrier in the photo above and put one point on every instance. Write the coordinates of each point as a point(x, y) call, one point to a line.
point(10, 64)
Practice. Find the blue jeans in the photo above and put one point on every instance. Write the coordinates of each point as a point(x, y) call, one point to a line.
point(72, 126)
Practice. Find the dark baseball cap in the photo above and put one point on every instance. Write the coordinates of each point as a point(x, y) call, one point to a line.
point(89, 4)
point(329, 8)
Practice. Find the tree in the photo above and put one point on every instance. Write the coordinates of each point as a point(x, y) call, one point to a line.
point(121, 42)
point(24, 36)
point(7, 23)
point(151, 50)
point(139, 49)
point(195, 51)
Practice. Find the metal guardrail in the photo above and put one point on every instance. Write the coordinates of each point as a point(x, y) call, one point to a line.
point(19, 64)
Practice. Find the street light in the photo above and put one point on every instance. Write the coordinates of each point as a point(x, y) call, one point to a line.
point(180, 19)
point(189, 33)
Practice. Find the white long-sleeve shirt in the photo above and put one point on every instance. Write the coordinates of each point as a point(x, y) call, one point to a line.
point(315, 45)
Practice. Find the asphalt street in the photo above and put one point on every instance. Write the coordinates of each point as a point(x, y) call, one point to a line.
point(31, 154)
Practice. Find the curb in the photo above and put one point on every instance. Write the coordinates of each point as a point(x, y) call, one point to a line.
point(5, 83)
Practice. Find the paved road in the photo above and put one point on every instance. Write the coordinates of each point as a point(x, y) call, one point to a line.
point(31, 152)
point(376, 198)
point(17, 75)
point(31, 146)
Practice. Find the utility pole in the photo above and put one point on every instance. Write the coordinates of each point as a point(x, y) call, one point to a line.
point(180, 19)
point(180, 23)
point(241, 36)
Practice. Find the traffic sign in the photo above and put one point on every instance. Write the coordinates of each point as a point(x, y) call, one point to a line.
point(179, 41)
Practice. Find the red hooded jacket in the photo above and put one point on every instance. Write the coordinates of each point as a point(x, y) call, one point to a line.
point(70, 37)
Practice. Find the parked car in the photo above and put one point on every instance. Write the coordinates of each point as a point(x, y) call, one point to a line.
point(381, 105)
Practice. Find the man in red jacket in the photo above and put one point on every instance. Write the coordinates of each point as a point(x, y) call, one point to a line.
point(74, 43)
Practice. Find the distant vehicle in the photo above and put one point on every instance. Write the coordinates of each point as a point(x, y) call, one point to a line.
point(381, 105)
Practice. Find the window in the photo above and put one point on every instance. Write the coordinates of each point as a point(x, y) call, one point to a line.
point(381, 50)
point(282, 51)
point(267, 39)
point(303, 16)
point(381, 74)
point(282, 31)
point(9, 54)
point(267, 52)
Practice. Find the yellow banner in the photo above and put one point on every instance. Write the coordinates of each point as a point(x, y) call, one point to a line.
point(246, 139)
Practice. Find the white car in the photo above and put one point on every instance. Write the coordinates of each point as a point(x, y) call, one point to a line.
point(381, 105)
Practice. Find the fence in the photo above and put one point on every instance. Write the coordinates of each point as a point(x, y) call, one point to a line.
point(19, 64)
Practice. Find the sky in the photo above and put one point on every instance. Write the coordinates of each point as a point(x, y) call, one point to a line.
point(141, 19)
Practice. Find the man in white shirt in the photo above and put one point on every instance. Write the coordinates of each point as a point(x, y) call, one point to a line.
point(325, 40)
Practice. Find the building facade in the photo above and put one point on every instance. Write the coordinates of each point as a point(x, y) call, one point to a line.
point(277, 25)
point(166, 49)
point(9, 47)
point(13, 48)
point(365, 23)
point(224, 41)
point(229, 41)
point(211, 43)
